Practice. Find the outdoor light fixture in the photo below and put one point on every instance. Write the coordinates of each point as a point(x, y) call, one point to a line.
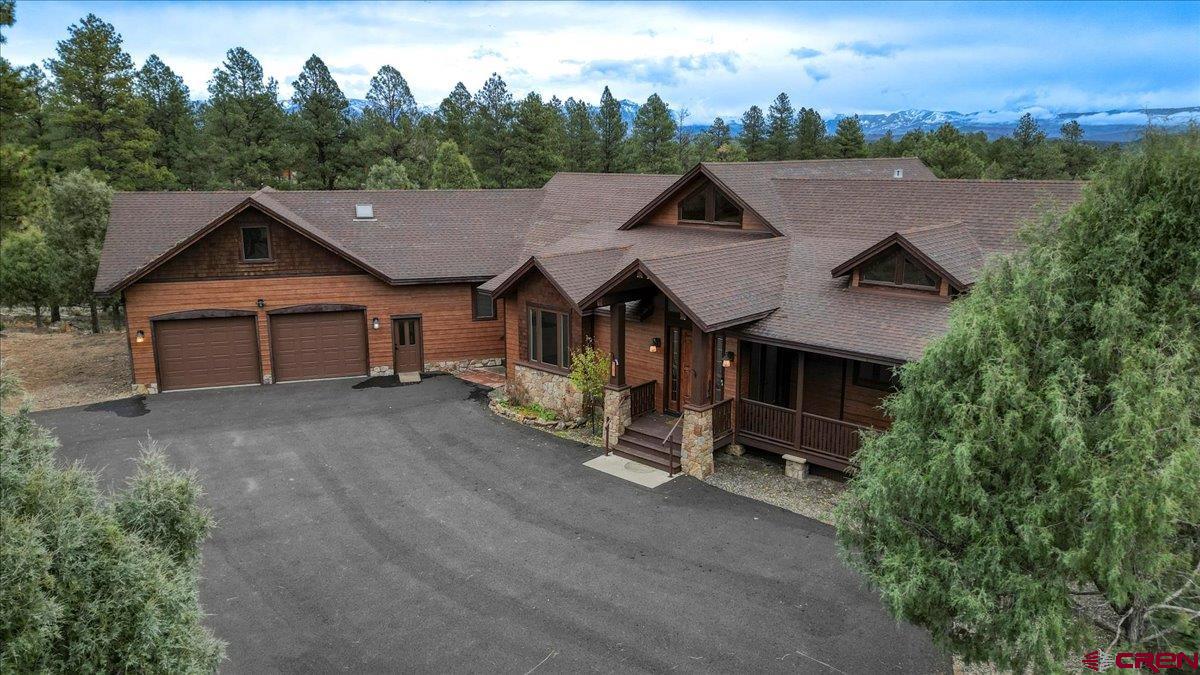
point(728, 360)
point(140, 336)
point(261, 303)
point(375, 323)
point(612, 370)
point(655, 343)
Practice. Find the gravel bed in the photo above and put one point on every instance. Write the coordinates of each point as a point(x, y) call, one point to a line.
point(761, 478)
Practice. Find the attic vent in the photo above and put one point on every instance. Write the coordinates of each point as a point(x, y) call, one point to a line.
point(364, 211)
point(898, 173)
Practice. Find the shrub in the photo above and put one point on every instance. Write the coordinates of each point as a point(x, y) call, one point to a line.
point(589, 373)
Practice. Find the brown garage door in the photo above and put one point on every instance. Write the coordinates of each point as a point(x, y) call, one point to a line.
point(320, 344)
point(206, 352)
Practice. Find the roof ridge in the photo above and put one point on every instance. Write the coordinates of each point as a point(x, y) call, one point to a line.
point(818, 159)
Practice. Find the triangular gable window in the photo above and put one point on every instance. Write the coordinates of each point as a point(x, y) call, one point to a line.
point(895, 267)
point(707, 204)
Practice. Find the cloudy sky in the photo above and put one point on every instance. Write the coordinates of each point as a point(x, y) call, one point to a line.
point(712, 58)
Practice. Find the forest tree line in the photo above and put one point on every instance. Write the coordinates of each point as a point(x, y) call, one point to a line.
point(89, 121)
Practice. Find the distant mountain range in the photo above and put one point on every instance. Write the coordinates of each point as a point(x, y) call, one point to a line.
point(1108, 126)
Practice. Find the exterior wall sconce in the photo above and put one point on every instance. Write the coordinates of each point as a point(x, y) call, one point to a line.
point(261, 303)
point(140, 336)
point(655, 343)
point(612, 369)
point(375, 323)
point(727, 360)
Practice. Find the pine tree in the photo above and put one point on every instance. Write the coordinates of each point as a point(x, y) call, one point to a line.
point(320, 124)
point(386, 127)
point(810, 135)
point(720, 132)
point(780, 127)
point(243, 124)
point(388, 174)
point(488, 132)
point(454, 114)
point(884, 146)
point(18, 104)
point(27, 275)
point(1032, 157)
point(848, 140)
point(74, 221)
point(390, 97)
point(948, 154)
point(452, 170)
point(1078, 158)
point(170, 115)
point(96, 120)
point(581, 150)
point(653, 141)
point(754, 134)
point(612, 130)
point(532, 155)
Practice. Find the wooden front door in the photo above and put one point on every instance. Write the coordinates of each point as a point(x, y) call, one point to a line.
point(406, 345)
point(674, 397)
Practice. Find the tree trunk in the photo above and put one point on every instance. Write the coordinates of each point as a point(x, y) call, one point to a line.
point(55, 314)
point(37, 316)
point(95, 315)
point(114, 311)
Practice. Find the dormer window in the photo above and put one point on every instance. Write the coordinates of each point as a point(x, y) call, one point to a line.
point(256, 243)
point(706, 204)
point(895, 267)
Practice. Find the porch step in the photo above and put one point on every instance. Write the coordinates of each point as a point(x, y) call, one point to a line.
point(648, 450)
point(649, 438)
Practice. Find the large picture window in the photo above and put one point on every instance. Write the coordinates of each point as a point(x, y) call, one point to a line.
point(897, 268)
point(549, 337)
point(707, 204)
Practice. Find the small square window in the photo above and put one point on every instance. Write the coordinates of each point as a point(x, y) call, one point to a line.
point(482, 305)
point(256, 243)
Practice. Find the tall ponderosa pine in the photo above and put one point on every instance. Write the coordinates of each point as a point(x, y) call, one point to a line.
point(810, 135)
point(96, 120)
point(581, 147)
point(612, 130)
point(170, 115)
point(1041, 477)
point(948, 154)
point(320, 125)
point(754, 134)
point(780, 128)
point(488, 132)
point(454, 114)
point(243, 124)
point(1030, 156)
point(653, 140)
point(849, 140)
point(389, 121)
point(533, 155)
point(18, 104)
point(1078, 158)
point(452, 169)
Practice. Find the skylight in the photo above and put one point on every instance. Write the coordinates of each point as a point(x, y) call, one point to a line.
point(364, 211)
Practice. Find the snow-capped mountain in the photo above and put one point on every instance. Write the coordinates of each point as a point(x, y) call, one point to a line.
point(1108, 125)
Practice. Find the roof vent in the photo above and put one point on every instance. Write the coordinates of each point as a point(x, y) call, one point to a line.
point(364, 211)
point(898, 173)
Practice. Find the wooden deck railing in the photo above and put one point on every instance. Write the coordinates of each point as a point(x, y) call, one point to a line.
point(838, 438)
point(722, 419)
point(772, 422)
point(641, 399)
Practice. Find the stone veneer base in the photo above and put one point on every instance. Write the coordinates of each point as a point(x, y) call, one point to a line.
point(549, 390)
point(697, 443)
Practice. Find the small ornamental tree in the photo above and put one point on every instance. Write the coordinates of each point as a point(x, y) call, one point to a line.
point(1038, 493)
point(90, 583)
point(589, 373)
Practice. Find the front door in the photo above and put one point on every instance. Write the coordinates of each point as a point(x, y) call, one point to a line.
point(406, 344)
point(671, 403)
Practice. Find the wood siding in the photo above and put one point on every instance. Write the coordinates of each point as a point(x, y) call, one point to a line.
point(668, 212)
point(534, 289)
point(218, 255)
point(450, 334)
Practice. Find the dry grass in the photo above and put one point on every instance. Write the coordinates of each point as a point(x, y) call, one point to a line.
point(65, 369)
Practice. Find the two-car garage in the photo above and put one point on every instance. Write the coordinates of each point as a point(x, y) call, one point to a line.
point(215, 349)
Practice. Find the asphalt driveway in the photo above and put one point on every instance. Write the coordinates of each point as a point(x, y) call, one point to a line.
point(372, 528)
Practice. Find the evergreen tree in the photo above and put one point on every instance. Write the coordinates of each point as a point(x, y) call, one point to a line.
point(754, 134)
point(75, 220)
point(884, 146)
point(1039, 478)
point(17, 106)
point(780, 127)
point(387, 125)
point(612, 130)
point(171, 117)
point(848, 140)
point(243, 124)
point(27, 273)
point(684, 140)
point(488, 132)
point(581, 150)
point(532, 153)
point(320, 124)
point(454, 114)
point(388, 174)
point(1032, 157)
point(96, 120)
point(390, 98)
point(452, 169)
point(810, 135)
point(720, 132)
point(910, 143)
point(653, 140)
point(1078, 158)
point(947, 153)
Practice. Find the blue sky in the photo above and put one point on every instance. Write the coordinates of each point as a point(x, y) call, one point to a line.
point(712, 58)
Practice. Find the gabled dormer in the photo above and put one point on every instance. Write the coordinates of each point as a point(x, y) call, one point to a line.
point(936, 260)
point(700, 199)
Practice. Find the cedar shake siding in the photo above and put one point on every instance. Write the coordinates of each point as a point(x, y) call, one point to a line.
point(449, 331)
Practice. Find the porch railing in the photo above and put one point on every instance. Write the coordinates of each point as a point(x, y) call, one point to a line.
point(641, 399)
point(722, 419)
point(771, 422)
point(825, 435)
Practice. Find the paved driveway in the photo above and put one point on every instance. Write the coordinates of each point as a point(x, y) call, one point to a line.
point(368, 528)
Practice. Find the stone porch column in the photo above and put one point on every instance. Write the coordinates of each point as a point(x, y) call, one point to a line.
point(617, 412)
point(697, 441)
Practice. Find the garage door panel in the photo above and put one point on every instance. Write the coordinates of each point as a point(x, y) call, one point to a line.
point(207, 352)
point(319, 344)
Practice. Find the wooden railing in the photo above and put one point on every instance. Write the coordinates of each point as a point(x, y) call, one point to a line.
point(641, 399)
point(837, 438)
point(771, 422)
point(722, 419)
